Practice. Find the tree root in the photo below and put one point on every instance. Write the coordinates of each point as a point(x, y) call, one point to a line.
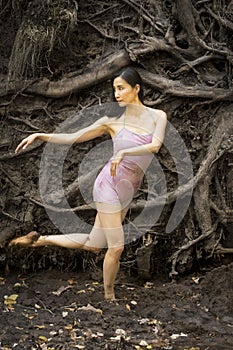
point(223, 21)
point(105, 69)
point(186, 14)
point(221, 250)
point(145, 15)
point(175, 256)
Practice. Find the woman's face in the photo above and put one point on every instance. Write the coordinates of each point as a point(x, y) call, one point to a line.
point(124, 92)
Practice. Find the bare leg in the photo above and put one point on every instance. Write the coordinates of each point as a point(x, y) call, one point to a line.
point(107, 231)
point(94, 241)
point(111, 224)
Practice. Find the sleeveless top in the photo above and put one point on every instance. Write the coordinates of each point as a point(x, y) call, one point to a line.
point(119, 190)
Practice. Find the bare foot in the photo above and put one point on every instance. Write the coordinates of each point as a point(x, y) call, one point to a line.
point(26, 240)
point(109, 294)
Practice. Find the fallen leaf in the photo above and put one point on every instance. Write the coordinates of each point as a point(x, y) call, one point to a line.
point(99, 334)
point(10, 301)
point(127, 307)
point(72, 309)
point(30, 317)
point(61, 290)
point(89, 307)
point(42, 338)
point(120, 332)
point(143, 343)
point(196, 279)
point(68, 327)
point(81, 291)
point(17, 285)
point(175, 336)
point(72, 281)
point(117, 338)
point(52, 333)
point(154, 321)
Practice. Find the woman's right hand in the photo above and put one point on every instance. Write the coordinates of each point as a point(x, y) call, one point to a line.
point(26, 142)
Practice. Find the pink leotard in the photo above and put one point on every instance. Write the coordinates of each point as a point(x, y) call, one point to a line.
point(121, 188)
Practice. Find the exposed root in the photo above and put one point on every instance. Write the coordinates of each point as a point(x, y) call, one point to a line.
point(44, 26)
point(174, 258)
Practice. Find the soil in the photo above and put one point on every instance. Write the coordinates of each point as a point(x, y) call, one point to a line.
point(50, 309)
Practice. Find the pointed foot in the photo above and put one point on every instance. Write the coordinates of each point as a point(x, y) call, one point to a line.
point(26, 240)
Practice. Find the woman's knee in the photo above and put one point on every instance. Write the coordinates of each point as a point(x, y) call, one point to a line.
point(116, 251)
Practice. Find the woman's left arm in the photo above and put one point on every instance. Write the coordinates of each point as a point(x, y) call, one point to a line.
point(152, 147)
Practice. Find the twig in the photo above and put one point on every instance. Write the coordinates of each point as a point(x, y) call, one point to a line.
point(26, 122)
point(45, 308)
point(189, 65)
point(8, 176)
point(100, 31)
point(142, 12)
point(221, 250)
point(13, 155)
point(10, 216)
point(223, 21)
point(97, 14)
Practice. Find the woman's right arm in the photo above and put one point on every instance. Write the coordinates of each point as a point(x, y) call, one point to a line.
point(95, 130)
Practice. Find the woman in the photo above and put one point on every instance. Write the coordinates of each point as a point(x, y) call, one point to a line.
point(137, 133)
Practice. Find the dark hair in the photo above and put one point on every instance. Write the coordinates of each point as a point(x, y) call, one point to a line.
point(132, 77)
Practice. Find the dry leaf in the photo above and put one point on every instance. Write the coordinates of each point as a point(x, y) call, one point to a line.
point(52, 333)
point(89, 307)
point(61, 290)
point(143, 343)
point(81, 291)
point(30, 317)
point(68, 327)
point(127, 307)
point(196, 279)
point(11, 299)
point(120, 332)
point(72, 281)
point(42, 338)
point(38, 326)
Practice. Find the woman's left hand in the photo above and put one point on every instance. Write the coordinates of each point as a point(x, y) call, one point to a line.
point(115, 164)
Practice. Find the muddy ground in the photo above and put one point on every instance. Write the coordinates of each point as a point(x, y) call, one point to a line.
point(50, 309)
